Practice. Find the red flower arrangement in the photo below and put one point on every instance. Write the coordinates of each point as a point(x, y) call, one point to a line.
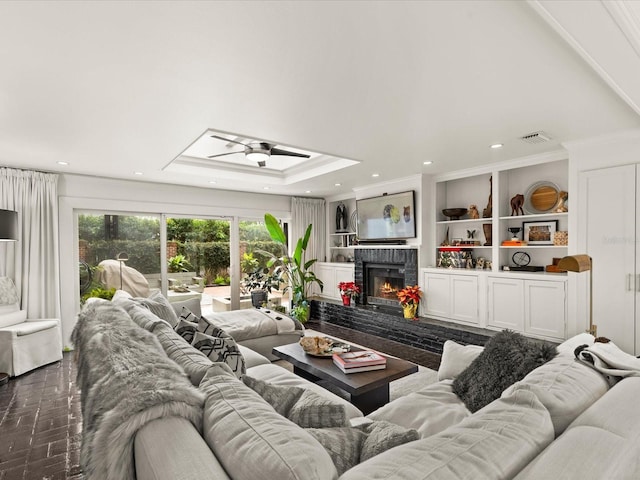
point(409, 295)
point(349, 288)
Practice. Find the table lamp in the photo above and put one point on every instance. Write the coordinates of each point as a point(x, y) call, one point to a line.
point(578, 264)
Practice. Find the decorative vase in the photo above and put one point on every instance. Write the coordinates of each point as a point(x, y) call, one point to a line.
point(409, 310)
point(346, 300)
point(486, 228)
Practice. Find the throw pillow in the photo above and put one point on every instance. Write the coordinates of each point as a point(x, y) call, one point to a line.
point(187, 315)
point(204, 326)
point(507, 358)
point(281, 398)
point(383, 436)
point(193, 304)
point(455, 358)
point(221, 349)
point(159, 306)
point(186, 330)
point(303, 407)
point(342, 444)
point(314, 411)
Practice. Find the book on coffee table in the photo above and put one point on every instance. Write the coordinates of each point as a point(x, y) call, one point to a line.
point(359, 361)
point(367, 368)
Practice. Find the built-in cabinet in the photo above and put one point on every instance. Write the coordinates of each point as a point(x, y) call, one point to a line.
point(610, 225)
point(451, 296)
point(534, 307)
point(331, 274)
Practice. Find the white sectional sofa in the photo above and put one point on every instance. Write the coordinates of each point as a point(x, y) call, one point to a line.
point(561, 421)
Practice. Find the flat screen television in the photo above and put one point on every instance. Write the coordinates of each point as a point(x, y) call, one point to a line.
point(387, 217)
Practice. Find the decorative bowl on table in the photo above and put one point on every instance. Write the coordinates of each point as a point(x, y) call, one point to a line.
point(454, 213)
point(322, 346)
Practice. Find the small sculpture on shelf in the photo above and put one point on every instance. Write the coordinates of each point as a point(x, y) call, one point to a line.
point(341, 218)
point(473, 212)
point(561, 206)
point(516, 205)
point(488, 212)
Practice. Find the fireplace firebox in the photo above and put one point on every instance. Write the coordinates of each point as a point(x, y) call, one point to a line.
point(383, 281)
point(381, 272)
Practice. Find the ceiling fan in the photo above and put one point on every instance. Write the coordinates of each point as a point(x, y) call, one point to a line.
point(258, 151)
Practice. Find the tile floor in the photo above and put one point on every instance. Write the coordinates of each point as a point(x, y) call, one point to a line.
point(41, 423)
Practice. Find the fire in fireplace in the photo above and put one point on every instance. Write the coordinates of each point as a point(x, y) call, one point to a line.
point(383, 282)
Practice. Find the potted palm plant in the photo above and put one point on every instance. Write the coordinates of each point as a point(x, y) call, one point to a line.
point(293, 270)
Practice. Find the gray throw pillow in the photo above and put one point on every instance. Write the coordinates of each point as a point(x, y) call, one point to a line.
point(343, 445)
point(159, 306)
point(382, 436)
point(303, 407)
point(507, 357)
point(221, 349)
point(315, 411)
point(193, 304)
point(281, 398)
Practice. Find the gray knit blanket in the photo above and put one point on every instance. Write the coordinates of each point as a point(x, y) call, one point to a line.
point(126, 381)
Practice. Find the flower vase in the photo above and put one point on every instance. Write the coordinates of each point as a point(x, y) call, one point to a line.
point(346, 300)
point(409, 310)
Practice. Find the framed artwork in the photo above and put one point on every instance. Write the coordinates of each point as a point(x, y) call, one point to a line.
point(539, 233)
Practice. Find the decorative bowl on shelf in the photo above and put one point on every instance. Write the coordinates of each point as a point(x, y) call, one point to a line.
point(454, 213)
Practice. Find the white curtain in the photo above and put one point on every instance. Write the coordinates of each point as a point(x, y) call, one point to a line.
point(33, 260)
point(305, 211)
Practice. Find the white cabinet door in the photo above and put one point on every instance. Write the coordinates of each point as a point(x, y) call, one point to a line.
point(343, 274)
point(327, 274)
point(437, 294)
point(464, 298)
point(611, 239)
point(545, 308)
point(506, 303)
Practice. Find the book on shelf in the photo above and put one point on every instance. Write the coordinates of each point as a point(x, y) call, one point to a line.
point(362, 358)
point(366, 368)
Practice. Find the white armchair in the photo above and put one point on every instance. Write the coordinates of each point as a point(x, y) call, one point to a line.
point(25, 343)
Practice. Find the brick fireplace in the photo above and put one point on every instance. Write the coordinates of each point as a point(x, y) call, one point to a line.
point(381, 272)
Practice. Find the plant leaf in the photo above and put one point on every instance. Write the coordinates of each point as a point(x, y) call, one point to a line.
point(274, 229)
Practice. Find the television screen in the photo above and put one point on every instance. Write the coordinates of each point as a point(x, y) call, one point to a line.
point(388, 217)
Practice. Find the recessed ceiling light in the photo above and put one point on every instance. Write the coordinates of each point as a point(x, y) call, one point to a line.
point(307, 191)
point(428, 162)
point(266, 188)
point(62, 163)
point(212, 182)
point(375, 174)
point(137, 173)
point(497, 145)
point(338, 184)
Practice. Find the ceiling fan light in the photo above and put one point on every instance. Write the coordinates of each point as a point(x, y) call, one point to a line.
point(257, 156)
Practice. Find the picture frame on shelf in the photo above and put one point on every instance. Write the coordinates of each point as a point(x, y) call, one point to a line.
point(539, 233)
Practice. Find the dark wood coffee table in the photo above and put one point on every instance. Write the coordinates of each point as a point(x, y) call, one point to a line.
point(366, 390)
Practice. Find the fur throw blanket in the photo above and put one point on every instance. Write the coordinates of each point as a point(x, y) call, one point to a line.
point(126, 381)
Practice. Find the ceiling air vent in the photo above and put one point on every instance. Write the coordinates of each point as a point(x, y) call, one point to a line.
point(536, 137)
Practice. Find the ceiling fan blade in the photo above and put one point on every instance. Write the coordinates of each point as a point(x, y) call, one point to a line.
point(222, 154)
point(278, 151)
point(227, 140)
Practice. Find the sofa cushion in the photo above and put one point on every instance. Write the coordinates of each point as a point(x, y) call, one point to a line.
point(302, 406)
point(193, 362)
point(507, 357)
point(433, 409)
point(456, 358)
point(12, 318)
point(221, 349)
point(565, 387)
point(239, 425)
point(248, 323)
point(32, 326)
point(251, 358)
point(344, 445)
point(142, 316)
point(495, 443)
point(276, 375)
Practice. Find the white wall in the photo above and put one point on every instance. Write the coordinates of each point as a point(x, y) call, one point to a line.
point(78, 192)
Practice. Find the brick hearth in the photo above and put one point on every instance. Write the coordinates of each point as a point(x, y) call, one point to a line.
point(424, 333)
